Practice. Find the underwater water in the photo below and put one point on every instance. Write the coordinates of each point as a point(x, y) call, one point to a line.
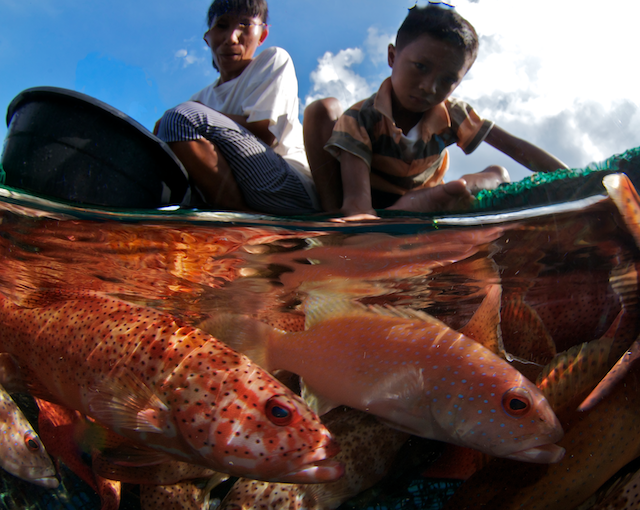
point(551, 290)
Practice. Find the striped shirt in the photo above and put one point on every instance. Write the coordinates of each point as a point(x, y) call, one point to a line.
point(400, 163)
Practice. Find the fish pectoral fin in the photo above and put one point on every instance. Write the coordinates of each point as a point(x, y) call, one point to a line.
point(317, 403)
point(126, 402)
point(401, 427)
point(404, 388)
point(130, 455)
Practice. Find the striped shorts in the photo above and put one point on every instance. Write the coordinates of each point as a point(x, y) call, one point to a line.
point(266, 180)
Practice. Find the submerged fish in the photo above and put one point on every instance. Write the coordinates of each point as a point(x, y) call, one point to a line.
point(598, 442)
point(180, 496)
point(166, 385)
point(61, 430)
point(411, 370)
point(21, 451)
point(367, 449)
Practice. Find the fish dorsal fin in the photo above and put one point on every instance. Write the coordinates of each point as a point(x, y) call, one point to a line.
point(401, 312)
point(126, 402)
point(484, 326)
point(317, 403)
point(321, 306)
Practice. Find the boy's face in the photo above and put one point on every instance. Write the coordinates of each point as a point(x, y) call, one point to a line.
point(425, 72)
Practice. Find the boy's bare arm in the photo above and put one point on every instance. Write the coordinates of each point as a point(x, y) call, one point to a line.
point(356, 185)
point(525, 153)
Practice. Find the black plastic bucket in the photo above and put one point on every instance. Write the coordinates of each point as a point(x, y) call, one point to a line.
point(67, 145)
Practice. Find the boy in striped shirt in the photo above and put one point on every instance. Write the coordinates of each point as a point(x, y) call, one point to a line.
point(389, 151)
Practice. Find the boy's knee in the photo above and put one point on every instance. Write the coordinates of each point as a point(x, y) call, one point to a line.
point(500, 173)
point(326, 109)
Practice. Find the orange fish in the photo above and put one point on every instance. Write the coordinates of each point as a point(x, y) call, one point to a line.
point(168, 386)
point(412, 371)
point(598, 442)
point(367, 449)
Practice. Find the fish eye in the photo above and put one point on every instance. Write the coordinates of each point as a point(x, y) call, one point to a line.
point(31, 441)
point(516, 402)
point(279, 411)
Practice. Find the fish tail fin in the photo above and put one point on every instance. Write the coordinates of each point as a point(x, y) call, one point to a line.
point(243, 334)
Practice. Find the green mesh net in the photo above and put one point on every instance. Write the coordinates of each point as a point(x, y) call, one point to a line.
point(561, 185)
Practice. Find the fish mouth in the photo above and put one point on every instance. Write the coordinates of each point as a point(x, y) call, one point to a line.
point(320, 468)
point(48, 482)
point(327, 470)
point(545, 454)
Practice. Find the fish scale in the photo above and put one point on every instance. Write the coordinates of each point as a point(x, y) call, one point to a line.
point(168, 386)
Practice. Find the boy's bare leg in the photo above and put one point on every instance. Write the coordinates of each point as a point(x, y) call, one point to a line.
point(454, 195)
point(319, 119)
point(490, 178)
point(450, 196)
point(211, 173)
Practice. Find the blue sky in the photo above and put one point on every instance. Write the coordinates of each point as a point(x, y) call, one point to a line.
point(559, 74)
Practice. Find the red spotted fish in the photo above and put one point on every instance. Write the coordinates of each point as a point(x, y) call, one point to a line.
point(367, 449)
point(412, 371)
point(168, 386)
point(21, 451)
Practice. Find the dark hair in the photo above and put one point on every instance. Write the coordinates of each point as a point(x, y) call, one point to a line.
point(252, 8)
point(442, 24)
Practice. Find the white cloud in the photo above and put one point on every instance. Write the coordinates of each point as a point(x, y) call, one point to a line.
point(187, 58)
point(376, 45)
point(334, 78)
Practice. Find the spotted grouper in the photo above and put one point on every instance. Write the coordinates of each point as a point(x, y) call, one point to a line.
point(410, 370)
point(165, 385)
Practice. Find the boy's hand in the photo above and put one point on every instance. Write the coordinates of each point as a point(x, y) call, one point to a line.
point(490, 178)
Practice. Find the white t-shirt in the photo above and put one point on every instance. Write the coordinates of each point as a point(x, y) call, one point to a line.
point(266, 89)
